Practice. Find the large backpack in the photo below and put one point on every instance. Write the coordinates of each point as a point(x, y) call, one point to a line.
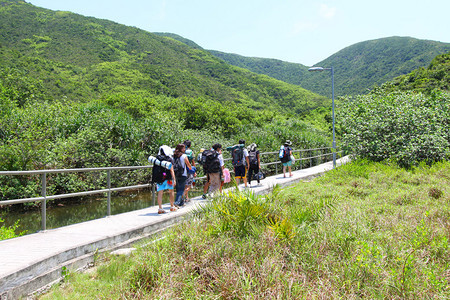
point(160, 174)
point(237, 155)
point(285, 157)
point(210, 161)
point(178, 167)
point(253, 158)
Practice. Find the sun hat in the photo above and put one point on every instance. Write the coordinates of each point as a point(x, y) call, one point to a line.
point(288, 143)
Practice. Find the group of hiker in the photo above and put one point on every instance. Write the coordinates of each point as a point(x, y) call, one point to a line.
point(176, 169)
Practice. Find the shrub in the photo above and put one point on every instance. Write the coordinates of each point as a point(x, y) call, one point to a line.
point(10, 231)
point(405, 127)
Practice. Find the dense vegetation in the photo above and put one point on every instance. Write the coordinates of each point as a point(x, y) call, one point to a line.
point(405, 127)
point(365, 230)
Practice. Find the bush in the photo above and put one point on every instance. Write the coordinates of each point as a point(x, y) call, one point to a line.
point(404, 127)
point(10, 231)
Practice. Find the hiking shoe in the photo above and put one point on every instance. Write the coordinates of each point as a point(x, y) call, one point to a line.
point(204, 196)
point(161, 211)
point(173, 209)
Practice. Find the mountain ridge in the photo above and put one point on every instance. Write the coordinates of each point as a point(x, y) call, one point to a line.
point(356, 67)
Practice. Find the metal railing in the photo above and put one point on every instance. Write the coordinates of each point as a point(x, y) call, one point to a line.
point(324, 152)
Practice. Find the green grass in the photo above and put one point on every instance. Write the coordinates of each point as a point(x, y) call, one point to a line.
point(365, 230)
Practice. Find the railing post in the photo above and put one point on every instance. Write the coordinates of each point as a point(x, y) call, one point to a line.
point(276, 166)
point(310, 158)
point(108, 209)
point(44, 202)
point(301, 160)
point(153, 194)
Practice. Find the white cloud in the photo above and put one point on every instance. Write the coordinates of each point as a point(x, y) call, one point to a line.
point(326, 11)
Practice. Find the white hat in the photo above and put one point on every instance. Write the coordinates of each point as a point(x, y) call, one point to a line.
point(166, 149)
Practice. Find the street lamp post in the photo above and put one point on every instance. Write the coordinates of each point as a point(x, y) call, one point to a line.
point(320, 69)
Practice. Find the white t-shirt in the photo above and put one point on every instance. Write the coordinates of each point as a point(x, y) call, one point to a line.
point(221, 160)
point(183, 164)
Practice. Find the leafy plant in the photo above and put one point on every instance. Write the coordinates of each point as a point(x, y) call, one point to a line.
point(10, 231)
point(404, 127)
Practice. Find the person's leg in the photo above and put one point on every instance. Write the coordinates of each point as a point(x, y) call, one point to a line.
point(214, 182)
point(249, 176)
point(187, 187)
point(257, 174)
point(171, 198)
point(284, 170)
point(181, 183)
point(160, 195)
point(160, 192)
point(290, 170)
point(245, 177)
point(206, 186)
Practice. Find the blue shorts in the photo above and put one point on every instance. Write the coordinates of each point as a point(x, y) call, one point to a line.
point(287, 164)
point(166, 185)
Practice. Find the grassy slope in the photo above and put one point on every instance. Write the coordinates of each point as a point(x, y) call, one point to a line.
point(365, 230)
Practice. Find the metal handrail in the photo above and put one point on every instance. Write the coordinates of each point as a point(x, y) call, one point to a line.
point(43, 199)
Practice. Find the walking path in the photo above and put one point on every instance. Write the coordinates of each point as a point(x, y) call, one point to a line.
point(33, 261)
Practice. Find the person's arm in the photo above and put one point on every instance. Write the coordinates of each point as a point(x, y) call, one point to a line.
point(246, 158)
point(174, 181)
point(188, 164)
point(259, 161)
point(222, 163)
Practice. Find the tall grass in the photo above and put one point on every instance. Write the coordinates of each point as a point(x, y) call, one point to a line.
point(365, 230)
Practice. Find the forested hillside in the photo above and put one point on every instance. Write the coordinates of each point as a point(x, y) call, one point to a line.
point(435, 76)
point(358, 68)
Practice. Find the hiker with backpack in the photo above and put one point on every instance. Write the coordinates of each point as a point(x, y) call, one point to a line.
point(254, 163)
point(180, 164)
point(212, 161)
point(285, 157)
point(190, 173)
point(164, 177)
point(239, 160)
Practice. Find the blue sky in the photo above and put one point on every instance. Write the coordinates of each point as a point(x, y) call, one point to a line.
point(300, 31)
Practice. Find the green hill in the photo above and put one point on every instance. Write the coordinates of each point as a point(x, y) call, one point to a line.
point(357, 68)
point(435, 76)
point(85, 58)
point(363, 65)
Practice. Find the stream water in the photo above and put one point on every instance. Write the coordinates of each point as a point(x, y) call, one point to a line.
point(80, 210)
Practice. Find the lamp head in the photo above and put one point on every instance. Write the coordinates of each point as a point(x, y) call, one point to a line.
point(313, 69)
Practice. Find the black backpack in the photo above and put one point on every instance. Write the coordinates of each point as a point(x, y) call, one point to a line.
point(177, 167)
point(237, 155)
point(253, 158)
point(160, 174)
point(210, 161)
point(286, 155)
